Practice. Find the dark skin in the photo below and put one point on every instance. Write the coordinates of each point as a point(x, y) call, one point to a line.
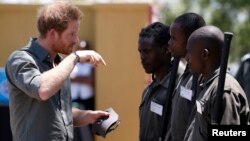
point(203, 53)
point(178, 41)
point(154, 58)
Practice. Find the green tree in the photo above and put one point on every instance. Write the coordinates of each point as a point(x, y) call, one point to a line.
point(229, 15)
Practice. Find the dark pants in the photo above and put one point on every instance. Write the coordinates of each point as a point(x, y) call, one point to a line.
point(5, 131)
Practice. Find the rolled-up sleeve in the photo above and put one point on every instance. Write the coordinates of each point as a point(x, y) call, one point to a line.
point(24, 73)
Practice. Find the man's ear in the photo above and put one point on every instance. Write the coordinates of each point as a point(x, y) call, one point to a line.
point(53, 33)
point(205, 53)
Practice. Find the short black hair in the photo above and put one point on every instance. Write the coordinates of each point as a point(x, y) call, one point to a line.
point(190, 22)
point(158, 31)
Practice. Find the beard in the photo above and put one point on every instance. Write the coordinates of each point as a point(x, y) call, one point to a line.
point(63, 49)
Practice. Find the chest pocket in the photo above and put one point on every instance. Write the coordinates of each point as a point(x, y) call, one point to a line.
point(206, 103)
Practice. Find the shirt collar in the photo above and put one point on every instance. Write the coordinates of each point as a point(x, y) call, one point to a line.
point(211, 77)
point(40, 52)
point(165, 81)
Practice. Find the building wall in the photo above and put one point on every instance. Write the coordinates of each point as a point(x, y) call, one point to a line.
point(121, 82)
point(112, 30)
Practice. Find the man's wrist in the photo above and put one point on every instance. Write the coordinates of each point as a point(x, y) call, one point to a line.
point(77, 57)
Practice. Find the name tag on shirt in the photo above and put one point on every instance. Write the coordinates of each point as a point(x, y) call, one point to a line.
point(156, 108)
point(186, 93)
point(198, 105)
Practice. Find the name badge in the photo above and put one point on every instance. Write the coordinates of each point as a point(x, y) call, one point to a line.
point(156, 108)
point(198, 105)
point(186, 93)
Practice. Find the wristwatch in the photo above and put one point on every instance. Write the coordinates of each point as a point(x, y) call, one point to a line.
point(77, 57)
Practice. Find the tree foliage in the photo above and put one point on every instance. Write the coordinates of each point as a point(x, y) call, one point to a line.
point(232, 15)
point(229, 15)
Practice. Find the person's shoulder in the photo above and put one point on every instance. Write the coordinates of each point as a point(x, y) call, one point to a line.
point(232, 84)
point(14, 54)
point(19, 55)
point(246, 57)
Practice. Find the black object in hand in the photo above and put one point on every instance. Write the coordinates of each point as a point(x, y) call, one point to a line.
point(105, 125)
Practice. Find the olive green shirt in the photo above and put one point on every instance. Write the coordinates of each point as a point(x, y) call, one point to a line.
point(32, 119)
point(235, 110)
point(182, 104)
point(154, 100)
point(155, 95)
